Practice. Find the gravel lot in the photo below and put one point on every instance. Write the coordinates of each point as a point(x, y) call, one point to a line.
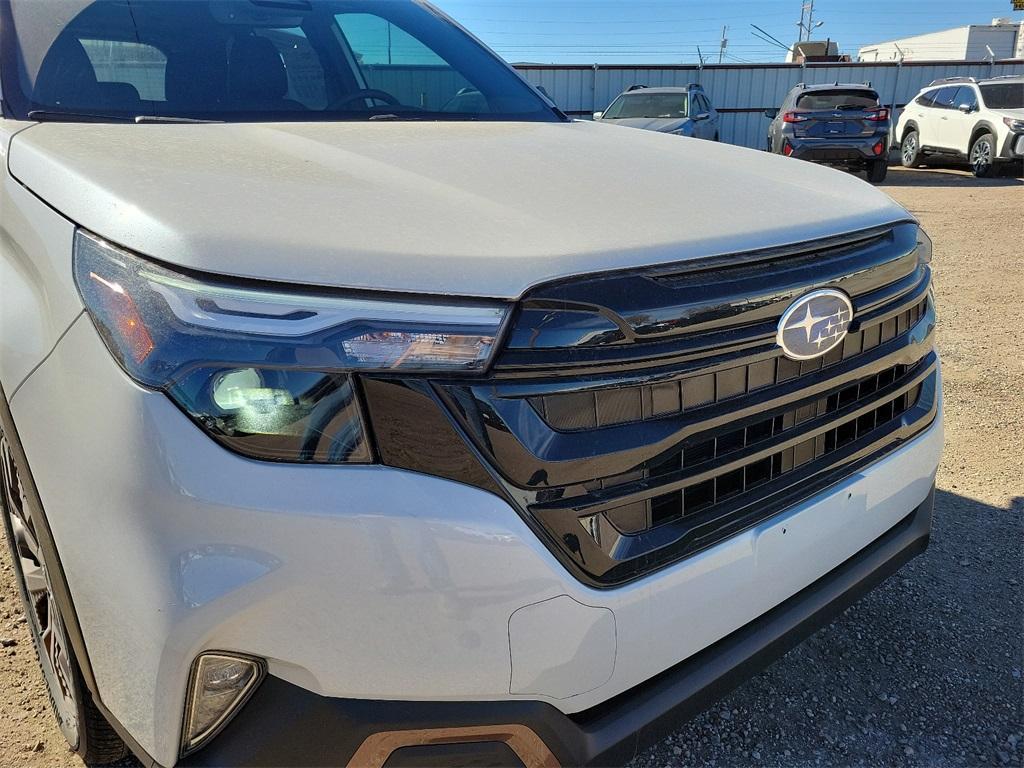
point(925, 671)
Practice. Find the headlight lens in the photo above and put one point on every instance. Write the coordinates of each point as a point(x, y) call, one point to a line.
point(1014, 124)
point(267, 371)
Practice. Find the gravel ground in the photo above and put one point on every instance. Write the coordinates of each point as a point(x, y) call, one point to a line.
point(926, 670)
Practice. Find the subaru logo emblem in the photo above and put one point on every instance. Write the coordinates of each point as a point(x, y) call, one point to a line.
point(814, 324)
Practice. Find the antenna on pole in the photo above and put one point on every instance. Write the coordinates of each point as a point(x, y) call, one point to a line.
point(723, 45)
point(700, 56)
point(806, 27)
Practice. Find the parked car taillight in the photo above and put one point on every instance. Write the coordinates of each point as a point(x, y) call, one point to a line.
point(794, 117)
point(878, 114)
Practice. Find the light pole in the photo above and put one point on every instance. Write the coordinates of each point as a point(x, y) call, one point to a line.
point(807, 11)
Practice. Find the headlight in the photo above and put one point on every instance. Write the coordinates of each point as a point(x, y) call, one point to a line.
point(268, 371)
point(1014, 124)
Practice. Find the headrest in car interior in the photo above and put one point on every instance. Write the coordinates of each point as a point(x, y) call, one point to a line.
point(256, 69)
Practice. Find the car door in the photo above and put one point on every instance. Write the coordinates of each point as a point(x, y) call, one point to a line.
point(699, 116)
point(960, 119)
point(940, 130)
point(711, 124)
point(775, 128)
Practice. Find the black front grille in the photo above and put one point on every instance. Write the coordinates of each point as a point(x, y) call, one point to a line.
point(621, 405)
point(637, 418)
point(715, 469)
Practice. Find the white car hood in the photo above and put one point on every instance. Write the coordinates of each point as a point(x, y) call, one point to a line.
point(475, 209)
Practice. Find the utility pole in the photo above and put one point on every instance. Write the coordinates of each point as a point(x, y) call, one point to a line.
point(723, 45)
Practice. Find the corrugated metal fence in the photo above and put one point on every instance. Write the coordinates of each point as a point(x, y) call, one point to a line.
point(742, 92)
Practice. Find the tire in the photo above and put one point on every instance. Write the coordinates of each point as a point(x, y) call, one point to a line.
point(83, 726)
point(982, 156)
point(910, 150)
point(877, 171)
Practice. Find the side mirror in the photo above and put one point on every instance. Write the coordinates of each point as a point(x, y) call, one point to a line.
point(771, 114)
point(966, 108)
point(598, 115)
point(701, 117)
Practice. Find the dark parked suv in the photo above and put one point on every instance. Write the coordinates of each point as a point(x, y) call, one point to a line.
point(836, 124)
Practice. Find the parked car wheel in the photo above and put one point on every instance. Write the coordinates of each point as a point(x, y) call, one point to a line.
point(877, 171)
point(86, 730)
point(910, 151)
point(982, 156)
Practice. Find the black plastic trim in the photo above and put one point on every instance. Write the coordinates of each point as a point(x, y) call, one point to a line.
point(285, 725)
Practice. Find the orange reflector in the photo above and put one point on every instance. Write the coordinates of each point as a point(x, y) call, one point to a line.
point(787, 149)
point(878, 148)
point(127, 320)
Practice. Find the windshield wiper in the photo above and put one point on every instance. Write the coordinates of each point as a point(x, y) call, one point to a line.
point(169, 119)
point(47, 115)
point(51, 115)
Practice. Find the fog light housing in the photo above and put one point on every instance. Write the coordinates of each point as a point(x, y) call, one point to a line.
point(220, 683)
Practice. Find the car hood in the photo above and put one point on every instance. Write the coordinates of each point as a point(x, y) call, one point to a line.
point(476, 209)
point(661, 124)
point(1015, 114)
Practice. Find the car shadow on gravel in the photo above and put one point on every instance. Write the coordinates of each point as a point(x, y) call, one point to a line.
point(936, 177)
point(924, 671)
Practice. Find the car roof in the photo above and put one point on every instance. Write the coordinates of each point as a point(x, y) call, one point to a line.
point(837, 87)
point(1002, 79)
point(664, 89)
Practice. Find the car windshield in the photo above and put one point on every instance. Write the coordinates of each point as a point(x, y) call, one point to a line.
point(252, 60)
point(819, 101)
point(1003, 95)
point(640, 104)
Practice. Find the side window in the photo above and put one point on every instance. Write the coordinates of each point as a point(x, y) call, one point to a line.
point(966, 95)
point(926, 99)
point(127, 71)
point(945, 97)
point(705, 105)
point(306, 82)
point(389, 59)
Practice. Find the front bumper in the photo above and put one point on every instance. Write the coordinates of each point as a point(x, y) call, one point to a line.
point(1015, 144)
point(839, 151)
point(287, 725)
point(371, 585)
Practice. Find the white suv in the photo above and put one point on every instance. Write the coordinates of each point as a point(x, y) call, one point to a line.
point(981, 120)
point(349, 416)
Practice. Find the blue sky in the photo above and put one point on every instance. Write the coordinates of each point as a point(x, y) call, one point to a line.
point(669, 31)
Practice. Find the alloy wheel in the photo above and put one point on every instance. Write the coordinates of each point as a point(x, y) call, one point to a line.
point(909, 149)
point(981, 155)
point(44, 620)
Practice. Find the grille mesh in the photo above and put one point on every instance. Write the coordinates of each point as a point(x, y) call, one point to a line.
point(704, 495)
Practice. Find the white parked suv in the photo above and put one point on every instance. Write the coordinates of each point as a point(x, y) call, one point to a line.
point(980, 120)
point(347, 419)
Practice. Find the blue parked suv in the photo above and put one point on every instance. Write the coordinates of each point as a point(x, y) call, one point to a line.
point(835, 124)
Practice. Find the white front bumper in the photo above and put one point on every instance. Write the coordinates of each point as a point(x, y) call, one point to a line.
point(370, 582)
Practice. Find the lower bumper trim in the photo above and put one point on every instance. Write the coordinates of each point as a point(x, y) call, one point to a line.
point(285, 725)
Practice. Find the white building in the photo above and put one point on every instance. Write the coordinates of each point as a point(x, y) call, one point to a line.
point(1005, 38)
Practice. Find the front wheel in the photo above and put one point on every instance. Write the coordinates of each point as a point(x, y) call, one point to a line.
point(86, 730)
point(910, 150)
point(982, 156)
point(877, 171)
